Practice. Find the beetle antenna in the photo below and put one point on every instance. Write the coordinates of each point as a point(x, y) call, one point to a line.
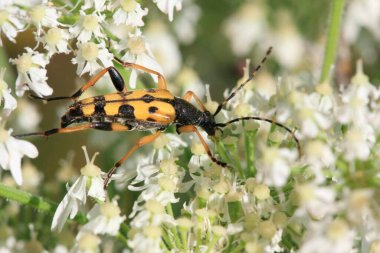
point(269, 121)
point(252, 75)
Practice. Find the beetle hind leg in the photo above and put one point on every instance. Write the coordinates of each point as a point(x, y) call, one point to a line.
point(116, 78)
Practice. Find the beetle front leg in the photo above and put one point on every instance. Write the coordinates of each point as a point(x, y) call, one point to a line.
point(193, 129)
point(144, 140)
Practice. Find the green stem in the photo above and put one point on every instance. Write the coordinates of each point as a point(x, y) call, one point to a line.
point(249, 145)
point(332, 38)
point(174, 230)
point(26, 198)
point(235, 154)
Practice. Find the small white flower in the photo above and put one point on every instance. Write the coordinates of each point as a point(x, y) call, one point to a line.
point(91, 57)
point(245, 26)
point(167, 6)
point(288, 40)
point(86, 242)
point(129, 12)
point(319, 155)
point(11, 152)
point(357, 142)
point(88, 27)
point(98, 5)
point(140, 54)
point(43, 15)
point(104, 218)
point(10, 102)
point(273, 168)
point(335, 236)
point(56, 41)
point(361, 14)
point(90, 182)
point(32, 73)
point(11, 20)
point(185, 24)
point(316, 202)
point(165, 48)
point(28, 116)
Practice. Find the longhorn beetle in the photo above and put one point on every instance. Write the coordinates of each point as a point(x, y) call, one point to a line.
point(148, 109)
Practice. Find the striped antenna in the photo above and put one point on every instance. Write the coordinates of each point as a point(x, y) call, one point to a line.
point(253, 74)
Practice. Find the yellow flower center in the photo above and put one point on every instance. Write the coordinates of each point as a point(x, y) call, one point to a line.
point(37, 13)
point(167, 184)
point(128, 5)
point(155, 207)
point(267, 229)
point(53, 36)
point(197, 149)
point(24, 63)
point(261, 192)
point(90, 23)
point(136, 45)
point(90, 51)
point(3, 16)
point(337, 230)
point(90, 170)
point(110, 210)
point(152, 231)
point(305, 193)
point(88, 242)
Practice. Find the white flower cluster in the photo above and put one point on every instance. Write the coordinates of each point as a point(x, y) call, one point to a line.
point(86, 30)
point(270, 198)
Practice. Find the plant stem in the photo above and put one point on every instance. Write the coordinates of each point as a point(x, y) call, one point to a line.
point(39, 203)
point(26, 198)
point(332, 38)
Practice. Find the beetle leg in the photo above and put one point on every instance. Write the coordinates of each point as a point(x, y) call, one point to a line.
point(161, 78)
point(95, 125)
point(116, 78)
point(193, 129)
point(144, 140)
point(189, 94)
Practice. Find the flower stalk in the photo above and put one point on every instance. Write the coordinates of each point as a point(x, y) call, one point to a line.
point(333, 34)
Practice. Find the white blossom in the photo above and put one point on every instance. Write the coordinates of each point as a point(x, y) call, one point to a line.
point(11, 20)
point(167, 6)
point(129, 12)
point(273, 168)
point(56, 41)
point(11, 152)
point(335, 236)
point(86, 242)
point(361, 14)
point(10, 102)
point(89, 183)
point(32, 73)
point(89, 26)
point(104, 218)
point(92, 57)
point(42, 15)
point(245, 27)
point(139, 53)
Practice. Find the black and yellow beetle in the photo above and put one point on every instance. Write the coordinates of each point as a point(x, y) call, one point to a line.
point(150, 109)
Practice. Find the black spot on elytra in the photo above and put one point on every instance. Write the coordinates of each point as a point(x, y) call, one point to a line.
point(127, 111)
point(99, 102)
point(152, 109)
point(151, 119)
point(75, 111)
point(147, 98)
